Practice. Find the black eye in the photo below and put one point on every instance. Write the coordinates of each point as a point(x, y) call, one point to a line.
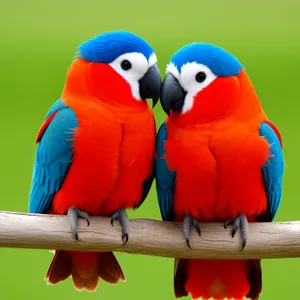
point(125, 65)
point(200, 77)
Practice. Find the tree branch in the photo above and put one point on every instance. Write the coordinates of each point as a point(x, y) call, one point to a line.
point(149, 237)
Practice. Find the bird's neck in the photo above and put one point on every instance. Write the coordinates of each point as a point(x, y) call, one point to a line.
point(249, 108)
point(76, 86)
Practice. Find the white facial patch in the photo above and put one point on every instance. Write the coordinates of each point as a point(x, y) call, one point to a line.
point(187, 80)
point(152, 60)
point(139, 67)
point(171, 68)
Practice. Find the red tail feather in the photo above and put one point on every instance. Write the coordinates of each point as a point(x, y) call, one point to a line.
point(85, 268)
point(218, 279)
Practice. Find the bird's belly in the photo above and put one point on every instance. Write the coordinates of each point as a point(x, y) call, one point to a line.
point(91, 178)
point(136, 164)
point(223, 179)
point(107, 171)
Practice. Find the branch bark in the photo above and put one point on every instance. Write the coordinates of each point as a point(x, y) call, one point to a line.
point(149, 237)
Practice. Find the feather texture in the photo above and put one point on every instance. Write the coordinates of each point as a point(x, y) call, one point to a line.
point(165, 178)
point(107, 46)
point(273, 169)
point(96, 151)
point(53, 157)
point(228, 161)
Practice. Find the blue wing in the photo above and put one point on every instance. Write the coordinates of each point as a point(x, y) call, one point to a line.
point(272, 171)
point(165, 178)
point(53, 156)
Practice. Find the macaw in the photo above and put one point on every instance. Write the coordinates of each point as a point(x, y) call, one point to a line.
point(219, 159)
point(96, 147)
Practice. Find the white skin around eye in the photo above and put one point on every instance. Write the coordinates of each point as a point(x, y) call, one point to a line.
point(139, 67)
point(187, 79)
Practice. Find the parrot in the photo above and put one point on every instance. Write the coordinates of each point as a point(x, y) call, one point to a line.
point(96, 148)
point(218, 159)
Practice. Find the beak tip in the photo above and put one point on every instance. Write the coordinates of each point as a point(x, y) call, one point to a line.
point(172, 95)
point(154, 102)
point(150, 85)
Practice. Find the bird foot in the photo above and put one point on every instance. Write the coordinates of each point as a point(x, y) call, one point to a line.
point(239, 222)
point(187, 224)
point(74, 214)
point(121, 215)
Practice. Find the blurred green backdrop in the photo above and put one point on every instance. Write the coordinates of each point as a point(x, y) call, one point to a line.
point(37, 44)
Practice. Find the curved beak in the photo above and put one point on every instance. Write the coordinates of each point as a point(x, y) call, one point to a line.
point(172, 94)
point(150, 84)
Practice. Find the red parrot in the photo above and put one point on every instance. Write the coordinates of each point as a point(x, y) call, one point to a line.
point(219, 159)
point(96, 148)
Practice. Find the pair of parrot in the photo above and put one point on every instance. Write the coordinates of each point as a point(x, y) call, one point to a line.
point(216, 157)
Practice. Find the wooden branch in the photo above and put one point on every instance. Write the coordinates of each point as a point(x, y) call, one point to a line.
point(149, 237)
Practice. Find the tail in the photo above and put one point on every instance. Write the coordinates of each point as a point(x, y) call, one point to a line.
point(218, 279)
point(85, 268)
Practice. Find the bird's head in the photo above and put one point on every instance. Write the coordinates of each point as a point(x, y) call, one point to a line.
point(203, 83)
point(118, 66)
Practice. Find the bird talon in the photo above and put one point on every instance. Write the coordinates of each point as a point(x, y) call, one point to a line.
point(76, 235)
point(125, 236)
point(239, 222)
point(243, 244)
point(187, 224)
point(188, 242)
point(121, 215)
point(234, 230)
point(74, 214)
point(197, 227)
point(227, 223)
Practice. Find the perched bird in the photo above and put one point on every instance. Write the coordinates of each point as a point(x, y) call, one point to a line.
point(219, 159)
point(96, 148)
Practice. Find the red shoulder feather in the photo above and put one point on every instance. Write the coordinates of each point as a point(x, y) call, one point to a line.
point(276, 131)
point(44, 126)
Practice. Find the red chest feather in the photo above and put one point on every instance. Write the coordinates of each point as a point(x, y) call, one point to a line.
point(113, 153)
point(218, 170)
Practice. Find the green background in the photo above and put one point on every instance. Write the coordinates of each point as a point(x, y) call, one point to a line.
point(37, 44)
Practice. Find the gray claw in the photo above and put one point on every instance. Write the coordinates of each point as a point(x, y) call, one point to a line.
point(125, 238)
point(188, 242)
point(227, 222)
point(239, 222)
point(121, 215)
point(197, 226)
point(187, 224)
point(74, 214)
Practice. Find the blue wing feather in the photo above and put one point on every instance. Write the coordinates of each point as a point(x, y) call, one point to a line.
point(53, 157)
point(272, 171)
point(165, 178)
point(59, 104)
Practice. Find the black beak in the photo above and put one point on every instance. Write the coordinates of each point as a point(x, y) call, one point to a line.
point(172, 94)
point(150, 84)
